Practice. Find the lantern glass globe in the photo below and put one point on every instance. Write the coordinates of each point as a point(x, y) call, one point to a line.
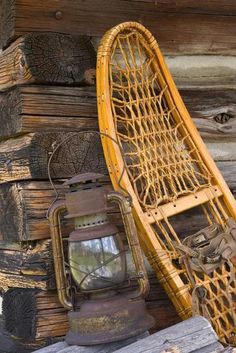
point(98, 264)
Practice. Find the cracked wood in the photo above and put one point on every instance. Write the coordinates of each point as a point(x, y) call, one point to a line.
point(207, 27)
point(48, 58)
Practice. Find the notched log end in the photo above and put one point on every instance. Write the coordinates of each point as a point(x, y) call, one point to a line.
point(59, 58)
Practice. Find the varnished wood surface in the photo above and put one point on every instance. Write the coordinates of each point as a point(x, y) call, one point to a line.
point(48, 58)
point(207, 27)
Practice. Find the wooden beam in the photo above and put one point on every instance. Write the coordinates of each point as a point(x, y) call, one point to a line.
point(182, 204)
point(42, 314)
point(203, 71)
point(26, 157)
point(56, 109)
point(194, 334)
point(48, 58)
point(29, 266)
point(213, 111)
point(181, 27)
point(47, 109)
point(45, 317)
point(24, 206)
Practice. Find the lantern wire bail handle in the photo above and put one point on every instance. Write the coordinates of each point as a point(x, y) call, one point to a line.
point(55, 148)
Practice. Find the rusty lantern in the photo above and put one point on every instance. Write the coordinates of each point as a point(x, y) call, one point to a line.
point(90, 285)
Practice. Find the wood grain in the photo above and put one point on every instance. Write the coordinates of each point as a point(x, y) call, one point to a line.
point(208, 27)
point(213, 111)
point(193, 334)
point(45, 316)
point(48, 58)
point(27, 157)
point(25, 206)
point(31, 264)
point(41, 320)
point(55, 109)
point(47, 109)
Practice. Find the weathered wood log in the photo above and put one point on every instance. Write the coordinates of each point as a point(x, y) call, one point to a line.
point(213, 111)
point(190, 335)
point(195, 334)
point(47, 109)
point(71, 60)
point(54, 109)
point(44, 316)
point(198, 28)
point(29, 265)
point(9, 344)
point(203, 71)
point(24, 207)
point(48, 58)
point(21, 311)
point(26, 157)
point(22, 303)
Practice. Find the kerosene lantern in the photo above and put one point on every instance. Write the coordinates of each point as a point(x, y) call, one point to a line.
point(90, 284)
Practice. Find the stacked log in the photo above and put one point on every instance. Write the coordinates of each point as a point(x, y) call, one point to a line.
point(48, 103)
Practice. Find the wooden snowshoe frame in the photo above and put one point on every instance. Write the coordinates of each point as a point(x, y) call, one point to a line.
point(167, 170)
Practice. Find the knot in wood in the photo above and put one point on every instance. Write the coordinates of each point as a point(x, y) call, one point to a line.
point(58, 15)
point(222, 118)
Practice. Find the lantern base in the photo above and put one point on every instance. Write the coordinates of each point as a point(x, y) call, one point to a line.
point(108, 320)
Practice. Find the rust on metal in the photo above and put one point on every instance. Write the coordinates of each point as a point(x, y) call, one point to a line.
point(107, 320)
point(104, 317)
point(96, 232)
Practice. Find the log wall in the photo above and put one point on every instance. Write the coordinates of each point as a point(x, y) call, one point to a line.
point(47, 96)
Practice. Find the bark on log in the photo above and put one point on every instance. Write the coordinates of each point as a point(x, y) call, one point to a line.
point(47, 109)
point(198, 28)
point(48, 58)
point(27, 157)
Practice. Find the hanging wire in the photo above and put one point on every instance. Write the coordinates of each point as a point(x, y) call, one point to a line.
point(56, 146)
